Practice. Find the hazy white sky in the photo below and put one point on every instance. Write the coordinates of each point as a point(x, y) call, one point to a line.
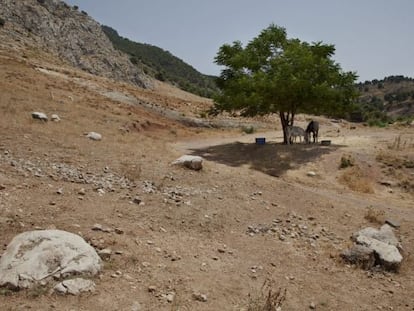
point(372, 37)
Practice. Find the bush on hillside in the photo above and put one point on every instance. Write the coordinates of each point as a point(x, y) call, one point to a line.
point(2, 22)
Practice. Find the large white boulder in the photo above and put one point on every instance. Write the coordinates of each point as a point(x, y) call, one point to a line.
point(37, 257)
point(190, 161)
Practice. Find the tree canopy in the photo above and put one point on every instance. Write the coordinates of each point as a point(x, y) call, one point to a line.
point(275, 74)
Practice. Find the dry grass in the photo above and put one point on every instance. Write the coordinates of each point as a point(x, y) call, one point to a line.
point(268, 299)
point(397, 163)
point(356, 180)
point(374, 215)
point(346, 161)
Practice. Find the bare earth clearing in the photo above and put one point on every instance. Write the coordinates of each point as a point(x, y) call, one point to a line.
point(252, 214)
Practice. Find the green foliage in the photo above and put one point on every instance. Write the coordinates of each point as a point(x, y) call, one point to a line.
point(163, 65)
point(274, 74)
point(346, 161)
point(248, 129)
point(2, 22)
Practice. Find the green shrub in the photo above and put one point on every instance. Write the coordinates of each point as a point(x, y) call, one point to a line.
point(248, 129)
point(2, 22)
point(346, 161)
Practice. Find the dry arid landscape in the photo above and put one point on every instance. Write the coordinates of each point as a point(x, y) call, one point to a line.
point(258, 222)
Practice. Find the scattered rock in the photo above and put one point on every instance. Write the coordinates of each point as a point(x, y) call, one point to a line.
point(200, 297)
point(169, 297)
point(152, 289)
point(311, 174)
point(39, 256)
point(55, 118)
point(97, 227)
point(190, 161)
point(119, 231)
point(105, 253)
point(137, 200)
point(392, 222)
point(75, 286)
point(94, 136)
point(39, 116)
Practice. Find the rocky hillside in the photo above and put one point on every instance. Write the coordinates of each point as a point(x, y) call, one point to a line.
point(71, 35)
point(164, 66)
point(389, 99)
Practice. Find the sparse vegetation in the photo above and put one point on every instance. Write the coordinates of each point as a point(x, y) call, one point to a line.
point(164, 66)
point(2, 22)
point(385, 101)
point(248, 129)
point(374, 215)
point(268, 299)
point(346, 161)
point(356, 180)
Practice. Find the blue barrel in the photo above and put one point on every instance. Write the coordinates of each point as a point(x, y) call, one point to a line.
point(260, 140)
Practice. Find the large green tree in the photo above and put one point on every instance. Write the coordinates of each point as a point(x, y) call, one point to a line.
point(275, 74)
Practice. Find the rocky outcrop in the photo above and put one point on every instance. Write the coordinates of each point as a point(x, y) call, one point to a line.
point(375, 247)
point(70, 34)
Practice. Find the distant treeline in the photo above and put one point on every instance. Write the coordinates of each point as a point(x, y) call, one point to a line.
point(163, 66)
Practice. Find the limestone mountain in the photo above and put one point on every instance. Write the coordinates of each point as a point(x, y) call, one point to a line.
point(70, 34)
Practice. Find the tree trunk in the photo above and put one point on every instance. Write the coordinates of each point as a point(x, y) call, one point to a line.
point(286, 119)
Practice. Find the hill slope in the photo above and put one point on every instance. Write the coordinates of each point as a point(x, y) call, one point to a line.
point(387, 99)
point(163, 65)
point(54, 26)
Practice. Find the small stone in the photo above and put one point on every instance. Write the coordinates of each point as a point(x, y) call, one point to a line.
point(55, 117)
point(97, 227)
point(312, 306)
point(200, 297)
point(119, 231)
point(94, 136)
point(392, 222)
point(152, 288)
point(59, 191)
point(170, 297)
point(82, 191)
point(311, 174)
point(105, 253)
point(137, 200)
point(2, 187)
point(221, 250)
point(39, 116)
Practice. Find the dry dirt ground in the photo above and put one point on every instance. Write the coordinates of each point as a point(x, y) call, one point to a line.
point(251, 216)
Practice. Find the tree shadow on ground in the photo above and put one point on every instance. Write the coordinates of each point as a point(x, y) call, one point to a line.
point(273, 159)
